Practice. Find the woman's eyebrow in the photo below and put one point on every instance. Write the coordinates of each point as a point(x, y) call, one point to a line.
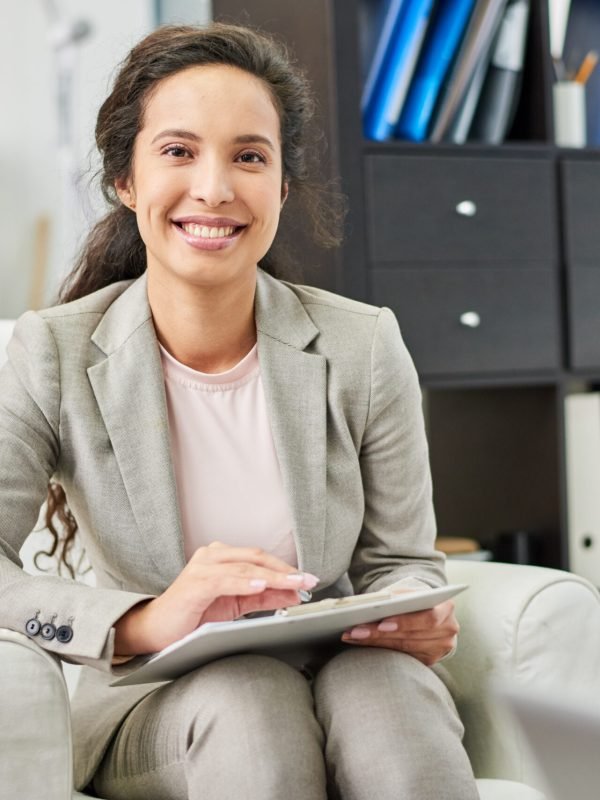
point(245, 138)
point(177, 133)
point(254, 138)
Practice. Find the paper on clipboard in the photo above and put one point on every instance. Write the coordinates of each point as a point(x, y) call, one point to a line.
point(277, 635)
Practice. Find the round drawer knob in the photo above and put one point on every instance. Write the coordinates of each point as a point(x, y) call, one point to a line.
point(470, 319)
point(466, 208)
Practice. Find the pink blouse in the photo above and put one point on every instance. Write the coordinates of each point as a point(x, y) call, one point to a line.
point(228, 478)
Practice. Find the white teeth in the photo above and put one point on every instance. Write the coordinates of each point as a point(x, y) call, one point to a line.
point(205, 232)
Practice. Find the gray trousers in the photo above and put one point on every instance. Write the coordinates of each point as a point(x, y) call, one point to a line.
point(374, 725)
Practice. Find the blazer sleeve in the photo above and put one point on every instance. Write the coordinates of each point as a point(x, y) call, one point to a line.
point(397, 539)
point(29, 453)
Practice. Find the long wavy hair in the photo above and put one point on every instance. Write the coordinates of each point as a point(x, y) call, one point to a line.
point(114, 250)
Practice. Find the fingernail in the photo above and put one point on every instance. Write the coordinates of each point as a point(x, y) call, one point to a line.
point(387, 626)
point(360, 633)
point(310, 581)
point(258, 583)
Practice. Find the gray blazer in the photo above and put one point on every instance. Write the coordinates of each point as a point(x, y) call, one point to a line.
point(82, 399)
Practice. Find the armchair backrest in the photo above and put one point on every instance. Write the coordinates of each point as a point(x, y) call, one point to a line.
point(6, 329)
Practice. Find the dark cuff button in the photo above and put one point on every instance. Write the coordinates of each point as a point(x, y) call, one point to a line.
point(33, 627)
point(48, 631)
point(64, 634)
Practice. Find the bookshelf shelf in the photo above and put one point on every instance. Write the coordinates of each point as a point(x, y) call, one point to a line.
point(495, 417)
point(510, 149)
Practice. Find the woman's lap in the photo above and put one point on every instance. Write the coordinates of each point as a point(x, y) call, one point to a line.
point(249, 727)
point(225, 730)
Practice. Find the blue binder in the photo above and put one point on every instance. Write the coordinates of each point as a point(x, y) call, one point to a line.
point(439, 49)
point(393, 64)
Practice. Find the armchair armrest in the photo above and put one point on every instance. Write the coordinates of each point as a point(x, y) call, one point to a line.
point(526, 625)
point(35, 726)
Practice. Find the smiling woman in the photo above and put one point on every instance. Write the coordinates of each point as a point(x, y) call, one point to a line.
point(184, 176)
point(227, 443)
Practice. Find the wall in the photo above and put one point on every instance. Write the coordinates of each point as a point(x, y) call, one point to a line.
point(30, 178)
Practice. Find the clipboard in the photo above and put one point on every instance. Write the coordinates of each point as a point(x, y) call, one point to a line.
point(279, 634)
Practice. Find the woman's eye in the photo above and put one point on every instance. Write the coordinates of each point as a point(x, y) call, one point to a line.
point(252, 158)
point(176, 150)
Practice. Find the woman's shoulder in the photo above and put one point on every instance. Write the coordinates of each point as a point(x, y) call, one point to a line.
point(349, 321)
point(336, 304)
point(94, 304)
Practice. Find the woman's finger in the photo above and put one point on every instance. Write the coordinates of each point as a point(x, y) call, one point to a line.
point(427, 652)
point(269, 600)
point(424, 621)
point(234, 578)
point(217, 552)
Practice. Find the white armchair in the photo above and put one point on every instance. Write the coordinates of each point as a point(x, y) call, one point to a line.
point(527, 625)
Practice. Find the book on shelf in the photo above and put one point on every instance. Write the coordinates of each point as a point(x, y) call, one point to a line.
point(558, 18)
point(392, 66)
point(463, 120)
point(582, 439)
point(500, 92)
point(477, 41)
point(443, 39)
point(489, 103)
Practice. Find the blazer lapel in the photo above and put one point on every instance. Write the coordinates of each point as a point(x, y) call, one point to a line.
point(129, 389)
point(295, 385)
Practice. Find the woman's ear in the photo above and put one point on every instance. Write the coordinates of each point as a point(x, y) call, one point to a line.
point(285, 190)
point(125, 192)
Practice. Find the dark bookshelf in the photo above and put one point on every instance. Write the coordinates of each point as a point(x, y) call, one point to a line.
point(494, 393)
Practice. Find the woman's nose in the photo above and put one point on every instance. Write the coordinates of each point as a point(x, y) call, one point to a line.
point(211, 183)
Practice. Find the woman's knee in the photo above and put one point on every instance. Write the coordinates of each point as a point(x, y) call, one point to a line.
point(256, 719)
point(253, 699)
point(378, 678)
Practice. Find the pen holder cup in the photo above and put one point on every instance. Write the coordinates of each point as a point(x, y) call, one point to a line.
point(569, 114)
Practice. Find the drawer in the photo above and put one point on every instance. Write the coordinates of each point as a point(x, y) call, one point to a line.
point(460, 209)
point(584, 317)
point(511, 321)
point(581, 201)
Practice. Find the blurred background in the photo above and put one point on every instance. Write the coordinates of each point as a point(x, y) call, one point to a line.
point(57, 58)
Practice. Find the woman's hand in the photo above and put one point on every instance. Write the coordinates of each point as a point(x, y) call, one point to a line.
point(219, 583)
point(427, 635)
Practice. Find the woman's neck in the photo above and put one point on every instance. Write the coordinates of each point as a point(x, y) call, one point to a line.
point(209, 329)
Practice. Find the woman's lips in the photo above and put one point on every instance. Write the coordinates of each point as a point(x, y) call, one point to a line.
point(205, 243)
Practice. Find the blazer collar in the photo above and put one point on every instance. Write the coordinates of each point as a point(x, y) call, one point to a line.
point(123, 317)
point(129, 388)
point(279, 314)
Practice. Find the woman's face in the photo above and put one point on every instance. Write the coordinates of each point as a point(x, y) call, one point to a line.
point(206, 182)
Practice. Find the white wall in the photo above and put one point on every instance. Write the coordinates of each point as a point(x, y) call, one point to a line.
point(29, 175)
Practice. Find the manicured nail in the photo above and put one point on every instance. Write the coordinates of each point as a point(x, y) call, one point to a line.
point(360, 633)
point(310, 581)
point(387, 626)
point(258, 583)
point(305, 578)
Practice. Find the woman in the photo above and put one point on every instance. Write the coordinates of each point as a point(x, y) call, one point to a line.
point(224, 441)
